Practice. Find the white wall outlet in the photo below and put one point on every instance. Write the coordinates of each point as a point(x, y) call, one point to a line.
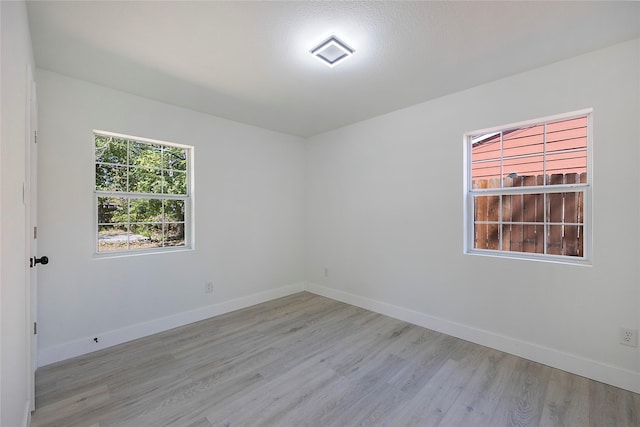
point(326, 272)
point(629, 337)
point(208, 288)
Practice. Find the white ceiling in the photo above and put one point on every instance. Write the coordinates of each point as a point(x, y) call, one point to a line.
point(250, 61)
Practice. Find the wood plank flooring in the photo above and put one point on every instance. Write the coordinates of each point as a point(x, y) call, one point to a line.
point(305, 360)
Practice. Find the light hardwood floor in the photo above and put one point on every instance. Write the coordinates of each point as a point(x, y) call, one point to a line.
point(305, 360)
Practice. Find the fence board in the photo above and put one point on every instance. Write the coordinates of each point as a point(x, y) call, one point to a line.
point(530, 204)
point(506, 215)
point(493, 211)
point(555, 206)
point(570, 239)
point(517, 216)
point(480, 214)
point(580, 215)
point(539, 246)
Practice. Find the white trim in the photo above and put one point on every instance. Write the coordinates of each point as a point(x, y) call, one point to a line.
point(547, 119)
point(518, 156)
point(133, 195)
point(598, 371)
point(139, 252)
point(527, 256)
point(532, 189)
point(29, 200)
point(138, 139)
point(86, 345)
point(26, 418)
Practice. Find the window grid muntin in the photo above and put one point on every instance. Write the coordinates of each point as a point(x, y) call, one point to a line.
point(583, 188)
point(163, 197)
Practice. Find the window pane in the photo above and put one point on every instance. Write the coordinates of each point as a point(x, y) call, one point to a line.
point(524, 167)
point(143, 180)
point(523, 238)
point(486, 183)
point(174, 210)
point(485, 147)
point(111, 178)
point(112, 238)
point(111, 150)
point(174, 234)
point(145, 236)
point(523, 141)
point(567, 135)
point(574, 162)
point(523, 208)
point(522, 181)
point(146, 155)
point(175, 182)
point(484, 171)
point(486, 208)
point(112, 210)
point(565, 240)
point(487, 236)
point(146, 210)
point(174, 158)
point(555, 207)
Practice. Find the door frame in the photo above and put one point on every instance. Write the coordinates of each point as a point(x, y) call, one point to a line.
point(30, 194)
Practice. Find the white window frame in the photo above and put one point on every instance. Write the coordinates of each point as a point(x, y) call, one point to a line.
point(188, 199)
point(469, 193)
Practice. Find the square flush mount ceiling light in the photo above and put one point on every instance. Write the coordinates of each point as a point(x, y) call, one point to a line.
point(332, 51)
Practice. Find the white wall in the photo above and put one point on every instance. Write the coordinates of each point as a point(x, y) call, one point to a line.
point(249, 213)
point(14, 370)
point(384, 215)
point(383, 202)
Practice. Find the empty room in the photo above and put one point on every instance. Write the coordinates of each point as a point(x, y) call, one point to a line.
point(319, 213)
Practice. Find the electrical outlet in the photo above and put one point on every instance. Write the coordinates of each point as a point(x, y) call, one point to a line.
point(629, 337)
point(208, 288)
point(326, 272)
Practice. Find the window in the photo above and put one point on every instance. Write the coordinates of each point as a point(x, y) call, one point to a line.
point(528, 189)
point(142, 194)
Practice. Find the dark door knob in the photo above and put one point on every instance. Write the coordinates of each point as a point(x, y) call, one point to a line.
point(44, 260)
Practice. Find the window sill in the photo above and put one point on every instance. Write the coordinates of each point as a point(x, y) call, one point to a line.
point(111, 255)
point(555, 259)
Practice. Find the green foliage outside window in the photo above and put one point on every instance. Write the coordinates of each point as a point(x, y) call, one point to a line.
point(147, 173)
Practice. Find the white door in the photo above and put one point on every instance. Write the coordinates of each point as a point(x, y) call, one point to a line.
point(31, 210)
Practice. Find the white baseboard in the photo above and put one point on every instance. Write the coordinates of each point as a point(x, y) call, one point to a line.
point(628, 380)
point(588, 368)
point(67, 350)
point(26, 418)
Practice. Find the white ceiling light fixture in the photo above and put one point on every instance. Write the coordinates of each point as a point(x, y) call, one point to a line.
point(332, 51)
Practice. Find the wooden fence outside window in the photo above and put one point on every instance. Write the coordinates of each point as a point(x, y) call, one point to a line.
point(526, 221)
